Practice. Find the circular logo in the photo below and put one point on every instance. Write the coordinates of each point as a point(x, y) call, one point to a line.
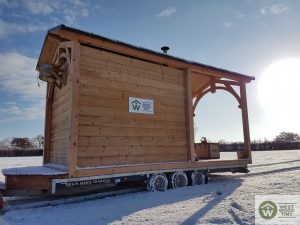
point(267, 210)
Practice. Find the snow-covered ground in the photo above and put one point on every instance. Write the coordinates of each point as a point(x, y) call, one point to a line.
point(227, 199)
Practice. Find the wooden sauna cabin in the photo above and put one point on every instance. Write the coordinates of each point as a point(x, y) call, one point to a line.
point(116, 111)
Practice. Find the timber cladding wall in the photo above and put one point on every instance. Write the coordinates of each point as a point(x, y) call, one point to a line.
point(108, 133)
point(60, 124)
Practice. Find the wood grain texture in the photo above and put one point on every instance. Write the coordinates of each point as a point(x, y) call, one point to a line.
point(203, 164)
point(190, 115)
point(74, 112)
point(108, 133)
point(60, 125)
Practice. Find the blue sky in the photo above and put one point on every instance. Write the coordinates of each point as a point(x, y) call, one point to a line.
point(243, 36)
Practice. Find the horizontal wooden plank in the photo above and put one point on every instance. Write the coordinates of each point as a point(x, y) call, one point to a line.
point(60, 137)
point(133, 122)
point(64, 90)
point(184, 165)
point(57, 154)
point(64, 99)
point(61, 130)
point(101, 66)
point(86, 141)
point(99, 54)
point(105, 93)
point(63, 142)
point(111, 57)
point(132, 150)
point(136, 132)
point(123, 104)
point(92, 85)
point(60, 109)
point(117, 113)
point(57, 160)
point(123, 160)
point(59, 149)
point(60, 120)
point(63, 118)
point(95, 78)
point(122, 59)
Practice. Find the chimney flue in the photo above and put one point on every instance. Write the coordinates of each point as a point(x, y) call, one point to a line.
point(165, 49)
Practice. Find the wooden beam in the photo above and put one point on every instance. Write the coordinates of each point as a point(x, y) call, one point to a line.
point(190, 115)
point(30, 182)
point(48, 118)
point(74, 112)
point(213, 90)
point(228, 82)
point(244, 108)
point(147, 168)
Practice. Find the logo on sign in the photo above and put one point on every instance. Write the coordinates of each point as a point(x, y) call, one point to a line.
point(139, 105)
point(136, 105)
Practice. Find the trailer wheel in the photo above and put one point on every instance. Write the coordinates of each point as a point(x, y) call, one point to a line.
point(197, 177)
point(157, 182)
point(1, 201)
point(178, 179)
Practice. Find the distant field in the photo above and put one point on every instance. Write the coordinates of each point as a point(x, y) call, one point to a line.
point(227, 198)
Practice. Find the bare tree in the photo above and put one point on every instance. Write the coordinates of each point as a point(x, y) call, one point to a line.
point(38, 141)
point(22, 143)
point(5, 143)
point(287, 137)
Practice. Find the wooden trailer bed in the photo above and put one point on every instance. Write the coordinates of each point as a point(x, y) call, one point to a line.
point(114, 109)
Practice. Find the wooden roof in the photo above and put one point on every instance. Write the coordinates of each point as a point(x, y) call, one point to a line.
point(64, 33)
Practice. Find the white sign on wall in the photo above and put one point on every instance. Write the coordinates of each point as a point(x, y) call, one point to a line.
point(140, 105)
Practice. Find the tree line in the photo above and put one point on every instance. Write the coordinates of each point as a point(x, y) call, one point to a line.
point(22, 143)
point(283, 141)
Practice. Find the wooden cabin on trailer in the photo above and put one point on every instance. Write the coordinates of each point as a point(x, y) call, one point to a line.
point(114, 110)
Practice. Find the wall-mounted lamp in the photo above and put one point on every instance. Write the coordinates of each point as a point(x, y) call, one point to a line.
point(46, 73)
point(54, 74)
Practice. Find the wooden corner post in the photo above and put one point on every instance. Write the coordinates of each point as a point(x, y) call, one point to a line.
point(246, 131)
point(74, 113)
point(48, 118)
point(190, 115)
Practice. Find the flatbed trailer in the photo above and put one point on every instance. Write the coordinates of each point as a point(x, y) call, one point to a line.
point(118, 113)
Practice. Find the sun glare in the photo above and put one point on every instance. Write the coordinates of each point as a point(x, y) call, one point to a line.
point(279, 94)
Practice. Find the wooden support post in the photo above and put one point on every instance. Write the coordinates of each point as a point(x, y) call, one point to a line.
point(74, 112)
point(190, 115)
point(244, 108)
point(48, 118)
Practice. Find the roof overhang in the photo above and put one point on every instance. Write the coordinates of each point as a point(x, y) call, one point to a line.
point(64, 33)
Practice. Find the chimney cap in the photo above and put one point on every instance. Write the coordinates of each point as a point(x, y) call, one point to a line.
point(165, 49)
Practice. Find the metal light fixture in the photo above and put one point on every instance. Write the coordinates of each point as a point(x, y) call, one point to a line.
point(54, 74)
point(46, 73)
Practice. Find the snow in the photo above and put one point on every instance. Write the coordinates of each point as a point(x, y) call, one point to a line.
point(226, 199)
point(32, 170)
point(6, 162)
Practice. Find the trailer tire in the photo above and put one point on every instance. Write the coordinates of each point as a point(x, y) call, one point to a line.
point(178, 179)
point(157, 182)
point(198, 177)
